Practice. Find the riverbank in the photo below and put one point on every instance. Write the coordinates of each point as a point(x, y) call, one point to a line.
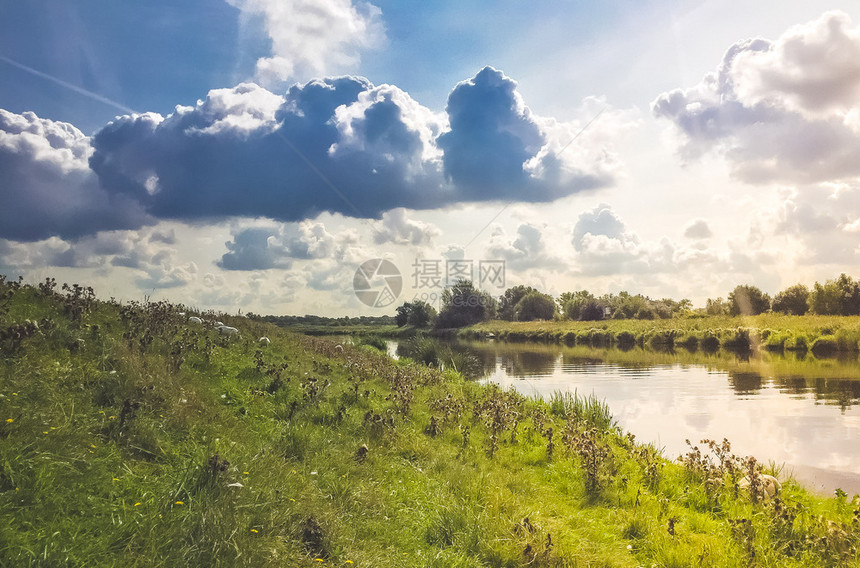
point(821, 335)
point(131, 435)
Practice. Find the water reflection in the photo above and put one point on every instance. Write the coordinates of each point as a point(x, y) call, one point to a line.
point(794, 410)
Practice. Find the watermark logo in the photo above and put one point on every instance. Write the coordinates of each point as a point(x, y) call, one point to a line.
point(377, 283)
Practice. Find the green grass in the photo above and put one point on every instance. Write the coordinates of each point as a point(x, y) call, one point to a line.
point(131, 437)
point(776, 332)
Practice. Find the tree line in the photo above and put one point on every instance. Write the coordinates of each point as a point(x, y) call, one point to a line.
point(463, 304)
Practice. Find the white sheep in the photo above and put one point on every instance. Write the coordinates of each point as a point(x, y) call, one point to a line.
point(264, 341)
point(195, 319)
point(770, 485)
point(227, 330)
point(219, 324)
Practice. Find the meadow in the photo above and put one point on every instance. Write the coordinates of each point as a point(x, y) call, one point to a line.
point(132, 436)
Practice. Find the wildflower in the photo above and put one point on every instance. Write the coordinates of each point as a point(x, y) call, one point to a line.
point(319, 559)
point(92, 446)
point(293, 500)
point(180, 503)
point(349, 562)
point(246, 473)
point(45, 432)
point(14, 394)
point(53, 428)
point(254, 531)
point(136, 504)
point(116, 479)
point(111, 417)
point(10, 420)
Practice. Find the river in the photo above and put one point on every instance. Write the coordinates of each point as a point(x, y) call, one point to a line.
point(800, 413)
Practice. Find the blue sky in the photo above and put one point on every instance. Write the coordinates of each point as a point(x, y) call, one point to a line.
point(250, 154)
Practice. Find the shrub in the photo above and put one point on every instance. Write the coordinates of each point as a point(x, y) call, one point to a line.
point(824, 346)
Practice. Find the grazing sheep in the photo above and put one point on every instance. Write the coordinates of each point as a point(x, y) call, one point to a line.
point(227, 330)
point(770, 485)
point(219, 324)
point(195, 319)
point(264, 341)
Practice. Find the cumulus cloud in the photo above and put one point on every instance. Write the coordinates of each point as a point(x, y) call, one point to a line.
point(277, 246)
point(48, 188)
point(527, 250)
point(698, 229)
point(784, 110)
point(824, 219)
point(497, 149)
point(313, 37)
point(397, 228)
point(338, 145)
point(604, 246)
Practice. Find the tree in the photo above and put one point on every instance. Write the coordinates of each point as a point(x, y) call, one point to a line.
point(592, 310)
point(534, 306)
point(573, 302)
point(509, 300)
point(717, 307)
point(748, 300)
point(416, 314)
point(836, 297)
point(463, 304)
point(793, 300)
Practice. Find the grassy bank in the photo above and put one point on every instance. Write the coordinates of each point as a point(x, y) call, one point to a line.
point(130, 436)
point(822, 335)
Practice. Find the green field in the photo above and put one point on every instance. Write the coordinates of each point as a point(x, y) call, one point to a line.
point(129, 436)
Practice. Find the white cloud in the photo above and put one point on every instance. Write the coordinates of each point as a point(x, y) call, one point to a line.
point(48, 187)
point(781, 111)
point(397, 228)
point(314, 37)
point(527, 250)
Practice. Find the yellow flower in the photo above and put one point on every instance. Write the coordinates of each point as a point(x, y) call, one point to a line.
point(92, 445)
point(14, 394)
point(136, 504)
point(10, 420)
point(293, 500)
point(180, 503)
point(45, 432)
point(111, 417)
point(53, 428)
point(254, 531)
point(349, 562)
point(116, 479)
point(246, 473)
point(319, 559)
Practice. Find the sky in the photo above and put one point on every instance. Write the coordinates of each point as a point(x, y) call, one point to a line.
point(267, 155)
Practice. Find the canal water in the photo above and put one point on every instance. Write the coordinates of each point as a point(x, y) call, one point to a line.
point(802, 414)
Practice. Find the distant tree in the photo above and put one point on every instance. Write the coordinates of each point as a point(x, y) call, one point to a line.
point(748, 300)
point(463, 304)
point(534, 306)
point(573, 302)
point(717, 307)
point(836, 297)
point(793, 300)
point(646, 313)
point(509, 300)
point(592, 310)
point(417, 314)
